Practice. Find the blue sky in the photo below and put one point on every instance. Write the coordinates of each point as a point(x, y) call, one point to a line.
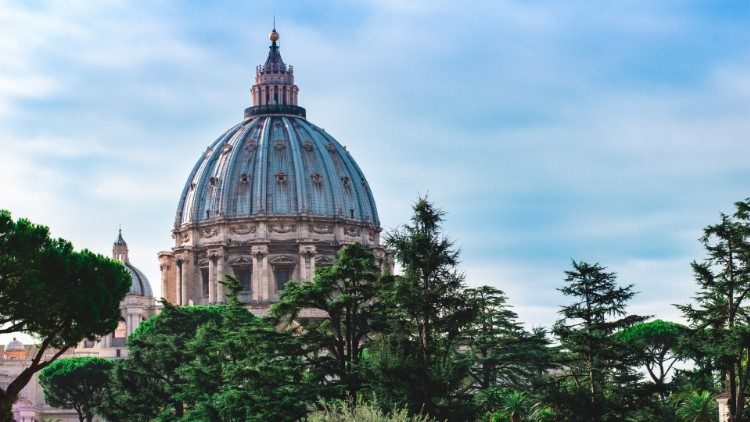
point(610, 132)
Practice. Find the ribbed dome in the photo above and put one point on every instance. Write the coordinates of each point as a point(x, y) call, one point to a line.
point(14, 346)
point(139, 284)
point(275, 164)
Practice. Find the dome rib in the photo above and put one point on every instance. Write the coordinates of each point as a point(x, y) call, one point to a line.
point(329, 168)
point(301, 188)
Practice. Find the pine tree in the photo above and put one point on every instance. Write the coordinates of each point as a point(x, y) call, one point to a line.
point(595, 356)
point(345, 292)
point(721, 307)
point(427, 311)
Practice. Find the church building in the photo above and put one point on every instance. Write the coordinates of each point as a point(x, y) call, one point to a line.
point(267, 202)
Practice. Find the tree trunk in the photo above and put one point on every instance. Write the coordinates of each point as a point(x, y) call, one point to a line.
point(6, 407)
point(89, 417)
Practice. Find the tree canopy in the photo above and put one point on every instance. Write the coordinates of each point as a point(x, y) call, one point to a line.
point(345, 294)
point(54, 293)
point(76, 383)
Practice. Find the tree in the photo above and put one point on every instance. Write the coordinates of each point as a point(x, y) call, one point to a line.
point(53, 293)
point(245, 369)
point(76, 383)
point(501, 351)
point(427, 312)
point(721, 307)
point(596, 358)
point(149, 384)
point(345, 292)
point(655, 343)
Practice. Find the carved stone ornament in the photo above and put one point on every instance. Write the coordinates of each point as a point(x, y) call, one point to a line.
point(330, 147)
point(321, 228)
point(282, 260)
point(242, 260)
point(282, 227)
point(185, 236)
point(209, 232)
point(371, 235)
point(351, 231)
point(226, 149)
point(243, 229)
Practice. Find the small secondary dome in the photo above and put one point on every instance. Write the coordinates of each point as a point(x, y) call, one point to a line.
point(14, 350)
point(14, 346)
point(139, 284)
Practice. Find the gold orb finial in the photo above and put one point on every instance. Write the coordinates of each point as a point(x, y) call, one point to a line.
point(273, 36)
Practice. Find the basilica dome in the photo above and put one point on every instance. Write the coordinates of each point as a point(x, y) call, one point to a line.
point(270, 200)
point(275, 162)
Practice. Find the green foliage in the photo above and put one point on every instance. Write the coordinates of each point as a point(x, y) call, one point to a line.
point(426, 312)
point(149, 382)
point(345, 295)
point(719, 316)
point(76, 383)
point(601, 384)
point(54, 293)
point(656, 343)
point(363, 412)
point(210, 363)
point(245, 370)
point(501, 352)
point(698, 407)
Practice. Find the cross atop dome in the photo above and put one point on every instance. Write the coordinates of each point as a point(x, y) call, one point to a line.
point(274, 91)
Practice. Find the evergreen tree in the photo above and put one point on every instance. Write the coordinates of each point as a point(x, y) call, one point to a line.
point(597, 361)
point(503, 356)
point(56, 294)
point(721, 309)
point(245, 369)
point(149, 384)
point(345, 295)
point(76, 383)
point(501, 351)
point(427, 313)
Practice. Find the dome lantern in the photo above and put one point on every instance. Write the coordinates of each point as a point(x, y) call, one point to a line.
point(274, 90)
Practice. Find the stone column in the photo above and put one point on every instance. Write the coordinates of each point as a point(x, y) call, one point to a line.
point(178, 282)
point(164, 272)
point(211, 279)
point(260, 288)
point(307, 254)
point(220, 266)
point(187, 280)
